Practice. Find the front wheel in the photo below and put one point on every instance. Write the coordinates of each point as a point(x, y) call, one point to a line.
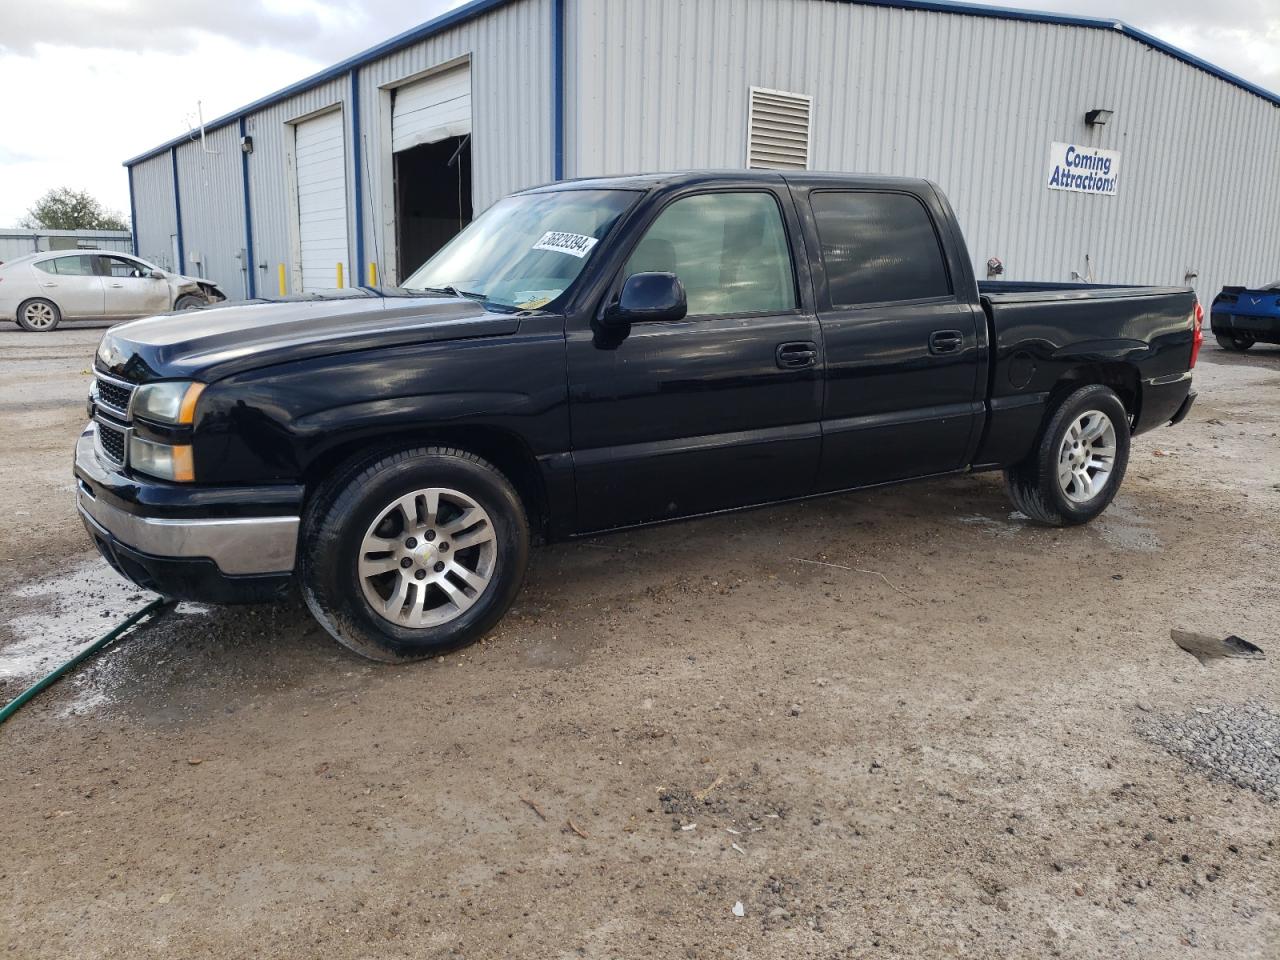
point(39, 316)
point(1235, 342)
point(413, 554)
point(1079, 460)
point(189, 301)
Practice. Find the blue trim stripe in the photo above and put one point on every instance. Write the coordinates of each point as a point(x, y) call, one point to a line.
point(359, 280)
point(557, 89)
point(250, 268)
point(180, 267)
point(477, 8)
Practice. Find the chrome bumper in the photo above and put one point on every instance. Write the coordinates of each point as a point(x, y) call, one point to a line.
point(238, 546)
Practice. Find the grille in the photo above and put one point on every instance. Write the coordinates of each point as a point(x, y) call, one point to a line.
point(112, 440)
point(114, 395)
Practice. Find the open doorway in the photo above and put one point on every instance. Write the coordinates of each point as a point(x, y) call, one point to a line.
point(433, 199)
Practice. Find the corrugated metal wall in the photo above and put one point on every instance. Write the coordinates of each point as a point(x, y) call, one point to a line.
point(154, 210)
point(210, 185)
point(510, 53)
point(972, 103)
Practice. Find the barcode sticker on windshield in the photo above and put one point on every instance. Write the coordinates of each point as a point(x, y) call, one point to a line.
point(574, 244)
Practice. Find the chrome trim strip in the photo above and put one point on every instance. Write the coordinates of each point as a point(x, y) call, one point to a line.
point(239, 546)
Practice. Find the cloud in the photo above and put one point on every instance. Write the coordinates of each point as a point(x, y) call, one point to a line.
point(319, 29)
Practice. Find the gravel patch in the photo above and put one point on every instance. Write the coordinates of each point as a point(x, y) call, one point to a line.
point(1235, 743)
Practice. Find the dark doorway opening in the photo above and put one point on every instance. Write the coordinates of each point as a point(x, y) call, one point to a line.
point(433, 199)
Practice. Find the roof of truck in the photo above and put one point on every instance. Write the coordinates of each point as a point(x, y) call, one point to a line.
point(681, 178)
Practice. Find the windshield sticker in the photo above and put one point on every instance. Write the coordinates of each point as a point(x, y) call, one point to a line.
point(574, 244)
point(533, 299)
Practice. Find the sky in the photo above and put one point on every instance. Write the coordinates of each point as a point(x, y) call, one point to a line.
point(85, 84)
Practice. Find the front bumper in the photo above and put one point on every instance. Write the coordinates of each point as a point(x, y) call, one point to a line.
point(163, 537)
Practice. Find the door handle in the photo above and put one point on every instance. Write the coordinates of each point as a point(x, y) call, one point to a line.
point(945, 341)
point(796, 354)
point(117, 285)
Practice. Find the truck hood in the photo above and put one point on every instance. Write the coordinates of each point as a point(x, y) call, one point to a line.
point(216, 342)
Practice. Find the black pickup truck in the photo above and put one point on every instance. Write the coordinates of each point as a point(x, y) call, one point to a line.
point(595, 355)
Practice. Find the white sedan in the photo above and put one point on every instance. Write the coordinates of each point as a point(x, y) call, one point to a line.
point(41, 290)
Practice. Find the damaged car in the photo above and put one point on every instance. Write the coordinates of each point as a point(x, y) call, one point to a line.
point(41, 290)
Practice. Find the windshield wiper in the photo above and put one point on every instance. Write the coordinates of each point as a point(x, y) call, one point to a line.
point(450, 290)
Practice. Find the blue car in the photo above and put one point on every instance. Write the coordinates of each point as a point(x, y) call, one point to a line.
point(1241, 317)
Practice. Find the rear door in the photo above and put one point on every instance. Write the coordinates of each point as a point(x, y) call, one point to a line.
point(719, 409)
point(72, 283)
point(902, 340)
point(130, 289)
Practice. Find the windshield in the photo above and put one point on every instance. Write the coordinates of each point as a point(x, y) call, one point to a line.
point(526, 250)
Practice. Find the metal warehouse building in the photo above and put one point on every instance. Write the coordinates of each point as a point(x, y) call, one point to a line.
point(1067, 145)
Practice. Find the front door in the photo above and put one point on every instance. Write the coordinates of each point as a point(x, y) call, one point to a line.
point(719, 409)
point(902, 346)
point(130, 289)
point(72, 284)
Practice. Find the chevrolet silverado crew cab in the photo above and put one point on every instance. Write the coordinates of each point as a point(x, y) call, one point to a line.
point(595, 355)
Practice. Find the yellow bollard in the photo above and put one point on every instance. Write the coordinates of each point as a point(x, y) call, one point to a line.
point(340, 276)
point(283, 289)
point(373, 274)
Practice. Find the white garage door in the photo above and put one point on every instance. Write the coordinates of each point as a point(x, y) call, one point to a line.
point(320, 156)
point(432, 109)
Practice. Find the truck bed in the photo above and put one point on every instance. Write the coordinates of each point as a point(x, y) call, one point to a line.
point(1140, 337)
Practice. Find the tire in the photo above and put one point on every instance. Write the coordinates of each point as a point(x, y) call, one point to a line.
point(1055, 486)
point(1235, 342)
point(189, 301)
point(38, 315)
point(367, 599)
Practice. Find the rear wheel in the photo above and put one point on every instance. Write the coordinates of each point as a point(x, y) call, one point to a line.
point(1079, 460)
point(1235, 342)
point(413, 554)
point(39, 316)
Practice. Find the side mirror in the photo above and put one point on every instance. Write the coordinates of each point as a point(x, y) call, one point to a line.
point(648, 298)
point(159, 275)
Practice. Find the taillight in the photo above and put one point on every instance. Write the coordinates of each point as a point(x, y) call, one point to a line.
point(1197, 338)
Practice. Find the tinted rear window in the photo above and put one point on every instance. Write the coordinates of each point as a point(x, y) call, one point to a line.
point(878, 247)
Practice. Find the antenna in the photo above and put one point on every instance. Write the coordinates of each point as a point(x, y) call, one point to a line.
point(373, 221)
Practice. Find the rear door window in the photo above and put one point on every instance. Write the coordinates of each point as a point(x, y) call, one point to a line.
point(68, 266)
point(878, 248)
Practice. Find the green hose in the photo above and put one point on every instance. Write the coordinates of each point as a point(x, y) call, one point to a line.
point(159, 605)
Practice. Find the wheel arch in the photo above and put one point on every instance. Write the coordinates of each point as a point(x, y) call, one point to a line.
point(505, 450)
point(1121, 377)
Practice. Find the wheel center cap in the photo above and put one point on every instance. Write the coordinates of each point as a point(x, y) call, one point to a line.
point(426, 554)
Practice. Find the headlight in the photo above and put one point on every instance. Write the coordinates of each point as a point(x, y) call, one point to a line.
point(162, 460)
point(173, 401)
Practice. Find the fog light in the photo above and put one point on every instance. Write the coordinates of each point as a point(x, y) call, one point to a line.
point(162, 460)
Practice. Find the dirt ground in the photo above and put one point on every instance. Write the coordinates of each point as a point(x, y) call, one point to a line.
point(934, 753)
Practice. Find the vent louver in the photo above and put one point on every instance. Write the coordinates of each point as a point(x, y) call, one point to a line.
point(778, 130)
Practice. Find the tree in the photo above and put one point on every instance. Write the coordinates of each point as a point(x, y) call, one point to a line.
point(63, 208)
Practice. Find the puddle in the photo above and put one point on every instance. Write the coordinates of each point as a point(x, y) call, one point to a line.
point(1006, 527)
point(60, 616)
point(1122, 527)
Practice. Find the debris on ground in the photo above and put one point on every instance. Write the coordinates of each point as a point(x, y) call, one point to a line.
point(1234, 743)
point(1205, 648)
point(739, 910)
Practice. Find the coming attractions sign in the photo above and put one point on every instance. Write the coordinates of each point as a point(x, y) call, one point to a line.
point(1083, 169)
